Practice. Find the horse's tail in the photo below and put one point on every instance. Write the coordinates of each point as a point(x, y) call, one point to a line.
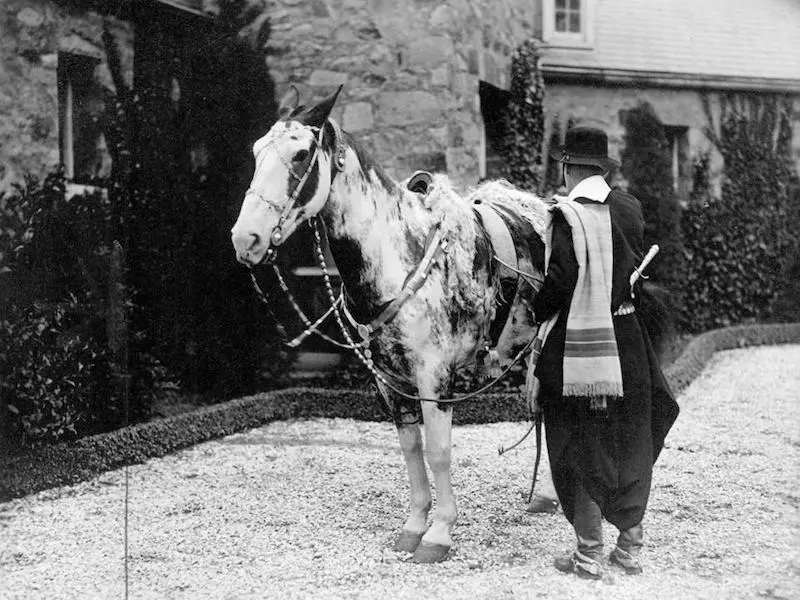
point(657, 313)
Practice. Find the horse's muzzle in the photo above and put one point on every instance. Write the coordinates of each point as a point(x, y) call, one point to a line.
point(251, 248)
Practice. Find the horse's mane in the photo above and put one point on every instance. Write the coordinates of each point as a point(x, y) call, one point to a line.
point(501, 193)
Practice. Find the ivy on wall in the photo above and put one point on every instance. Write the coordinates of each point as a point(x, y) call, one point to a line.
point(521, 147)
point(742, 248)
point(647, 165)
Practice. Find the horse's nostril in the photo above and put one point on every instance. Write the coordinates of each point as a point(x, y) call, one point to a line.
point(248, 244)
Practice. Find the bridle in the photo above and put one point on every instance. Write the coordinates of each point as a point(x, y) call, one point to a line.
point(277, 235)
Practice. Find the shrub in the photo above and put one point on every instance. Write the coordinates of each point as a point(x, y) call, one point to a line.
point(521, 147)
point(647, 165)
point(59, 369)
point(740, 247)
point(58, 377)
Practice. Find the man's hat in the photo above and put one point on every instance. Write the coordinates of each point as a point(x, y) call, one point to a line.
point(585, 146)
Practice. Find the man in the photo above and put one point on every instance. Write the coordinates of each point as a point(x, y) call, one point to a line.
point(607, 407)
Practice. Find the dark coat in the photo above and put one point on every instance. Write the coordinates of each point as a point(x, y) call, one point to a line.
point(610, 453)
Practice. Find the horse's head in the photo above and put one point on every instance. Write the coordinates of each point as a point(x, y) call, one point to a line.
point(291, 181)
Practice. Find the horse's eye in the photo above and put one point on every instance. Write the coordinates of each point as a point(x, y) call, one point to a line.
point(300, 156)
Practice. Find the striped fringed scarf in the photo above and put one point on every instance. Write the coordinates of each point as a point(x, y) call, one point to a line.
point(591, 358)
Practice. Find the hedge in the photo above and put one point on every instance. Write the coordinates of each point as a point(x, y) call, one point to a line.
point(78, 461)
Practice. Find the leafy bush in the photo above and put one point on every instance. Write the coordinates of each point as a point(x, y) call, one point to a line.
point(59, 371)
point(521, 146)
point(58, 377)
point(740, 247)
point(647, 165)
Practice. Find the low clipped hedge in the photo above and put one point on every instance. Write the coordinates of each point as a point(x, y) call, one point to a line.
point(700, 350)
point(79, 461)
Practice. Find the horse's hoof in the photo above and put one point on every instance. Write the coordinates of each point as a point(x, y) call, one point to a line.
point(407, 541)
point(427, 553)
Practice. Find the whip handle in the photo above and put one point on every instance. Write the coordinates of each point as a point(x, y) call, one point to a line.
point(637, 272)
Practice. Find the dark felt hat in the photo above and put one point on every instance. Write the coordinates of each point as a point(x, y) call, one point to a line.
point(585, 146)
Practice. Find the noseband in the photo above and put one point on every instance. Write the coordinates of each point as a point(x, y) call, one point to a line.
point(338, 158)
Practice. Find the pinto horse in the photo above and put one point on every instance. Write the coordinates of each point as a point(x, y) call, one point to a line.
point(380, 233)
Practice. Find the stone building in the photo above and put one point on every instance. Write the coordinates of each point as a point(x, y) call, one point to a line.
point(411, 67)
point(602, 57)
point(52, 74)
point(410, 70)
point(55, 80)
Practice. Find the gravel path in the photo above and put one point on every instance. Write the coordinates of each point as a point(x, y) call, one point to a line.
point(309, 509)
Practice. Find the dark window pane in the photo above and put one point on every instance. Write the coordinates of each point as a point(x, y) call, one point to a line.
point(561, 21)
point(81, 105)
point(561, 4)
point(575, 22)
point(575, 4)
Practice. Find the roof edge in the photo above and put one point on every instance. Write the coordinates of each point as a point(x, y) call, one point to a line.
point(598, 75)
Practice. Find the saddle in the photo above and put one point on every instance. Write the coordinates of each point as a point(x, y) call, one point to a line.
point(420, 183)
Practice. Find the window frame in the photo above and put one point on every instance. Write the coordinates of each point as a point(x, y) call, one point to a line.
point(582, 40)
point(677, 137)
point(68, 64)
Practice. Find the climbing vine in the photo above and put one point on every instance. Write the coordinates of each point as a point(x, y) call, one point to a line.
point(742, 248)
point(647, 165)
point(524, 131)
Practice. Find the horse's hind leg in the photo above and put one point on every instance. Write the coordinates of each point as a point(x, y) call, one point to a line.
point(416, 525)
point(438, 436)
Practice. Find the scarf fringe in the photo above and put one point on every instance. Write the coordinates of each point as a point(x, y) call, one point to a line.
point(611, 389)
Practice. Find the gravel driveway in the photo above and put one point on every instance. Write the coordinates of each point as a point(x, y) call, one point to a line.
point(308, 509)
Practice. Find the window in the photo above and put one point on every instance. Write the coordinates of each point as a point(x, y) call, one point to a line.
point(568, 23)
point(494, 106)
point(80, 105)
point(678, 142)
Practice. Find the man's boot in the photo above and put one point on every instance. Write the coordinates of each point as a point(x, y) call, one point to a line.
point(586, 561)
point(626, 554)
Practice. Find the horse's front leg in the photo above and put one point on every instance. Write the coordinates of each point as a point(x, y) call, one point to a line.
point(416, 525)
point(438, 436)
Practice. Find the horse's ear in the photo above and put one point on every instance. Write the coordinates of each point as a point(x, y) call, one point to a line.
point(317, 115)
point(289, 102)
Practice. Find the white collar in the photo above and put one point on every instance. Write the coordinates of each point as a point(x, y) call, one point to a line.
point(594, 188)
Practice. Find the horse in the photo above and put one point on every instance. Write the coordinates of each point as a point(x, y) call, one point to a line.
point(387, 239)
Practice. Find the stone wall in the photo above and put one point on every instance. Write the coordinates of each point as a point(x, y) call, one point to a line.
point(410, 70)
point(32, 33)
point(601, 107)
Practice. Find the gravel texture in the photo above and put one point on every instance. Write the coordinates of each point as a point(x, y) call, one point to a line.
point(309, 509)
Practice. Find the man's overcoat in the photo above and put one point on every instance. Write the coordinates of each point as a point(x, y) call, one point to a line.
point(610, 453)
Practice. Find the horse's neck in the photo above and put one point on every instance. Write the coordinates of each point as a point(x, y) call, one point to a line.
point(372, 224)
